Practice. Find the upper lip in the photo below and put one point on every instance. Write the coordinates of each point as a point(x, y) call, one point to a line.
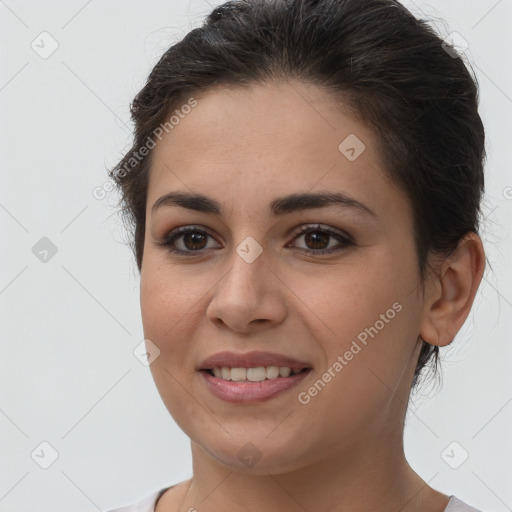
point(249, 360)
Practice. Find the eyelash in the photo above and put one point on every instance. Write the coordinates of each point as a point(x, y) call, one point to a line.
point(171, 237)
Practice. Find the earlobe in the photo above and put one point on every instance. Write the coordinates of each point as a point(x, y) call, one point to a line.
point(452, 291)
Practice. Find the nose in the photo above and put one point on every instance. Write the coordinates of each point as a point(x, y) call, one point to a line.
point(249, 298)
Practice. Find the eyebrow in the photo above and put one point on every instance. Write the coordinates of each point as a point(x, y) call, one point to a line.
point(278, 207)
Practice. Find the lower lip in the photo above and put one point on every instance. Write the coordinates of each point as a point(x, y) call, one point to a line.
point(250, 392)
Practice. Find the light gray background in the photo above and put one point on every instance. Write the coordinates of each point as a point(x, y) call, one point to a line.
point(68, 375)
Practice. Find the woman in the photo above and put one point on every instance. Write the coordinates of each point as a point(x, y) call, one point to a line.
point(304, 190)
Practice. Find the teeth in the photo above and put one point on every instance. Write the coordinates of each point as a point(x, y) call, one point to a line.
point(272, 372)
point(254, 374)
point(284, 371)
point(238, 374)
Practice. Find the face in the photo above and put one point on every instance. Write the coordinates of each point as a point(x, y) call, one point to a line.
point(332, 284)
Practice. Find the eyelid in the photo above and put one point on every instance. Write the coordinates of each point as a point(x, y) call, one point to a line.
point(325, 228)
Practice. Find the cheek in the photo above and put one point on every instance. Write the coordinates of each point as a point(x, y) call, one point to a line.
point(169, 292)
point(364, 362)
point(169, 300)
point(346, 299)
point(369, 317)
point(174, 300)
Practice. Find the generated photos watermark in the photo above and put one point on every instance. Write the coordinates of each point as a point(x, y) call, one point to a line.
point(304, 397)
point(100, 192)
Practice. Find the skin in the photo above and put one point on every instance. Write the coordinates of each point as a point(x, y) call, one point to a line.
point(342, 451)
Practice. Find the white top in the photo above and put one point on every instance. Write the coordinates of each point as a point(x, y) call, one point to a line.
point(148, 504)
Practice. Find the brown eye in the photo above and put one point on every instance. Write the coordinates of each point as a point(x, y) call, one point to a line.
point(194, 240)
point(190, 240)
point(317, 240)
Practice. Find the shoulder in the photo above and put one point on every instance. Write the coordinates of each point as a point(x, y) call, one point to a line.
point(146, 504)
point(456, 505)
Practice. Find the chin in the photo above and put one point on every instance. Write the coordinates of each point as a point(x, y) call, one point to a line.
point(246, 454)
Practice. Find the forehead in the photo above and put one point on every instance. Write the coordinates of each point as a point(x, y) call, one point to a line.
point(234, 120)
point(274, 138)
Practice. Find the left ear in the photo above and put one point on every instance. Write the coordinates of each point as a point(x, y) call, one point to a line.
point(452, 291)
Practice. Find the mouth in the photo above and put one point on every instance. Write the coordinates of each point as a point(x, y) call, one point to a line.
point(251, 377)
